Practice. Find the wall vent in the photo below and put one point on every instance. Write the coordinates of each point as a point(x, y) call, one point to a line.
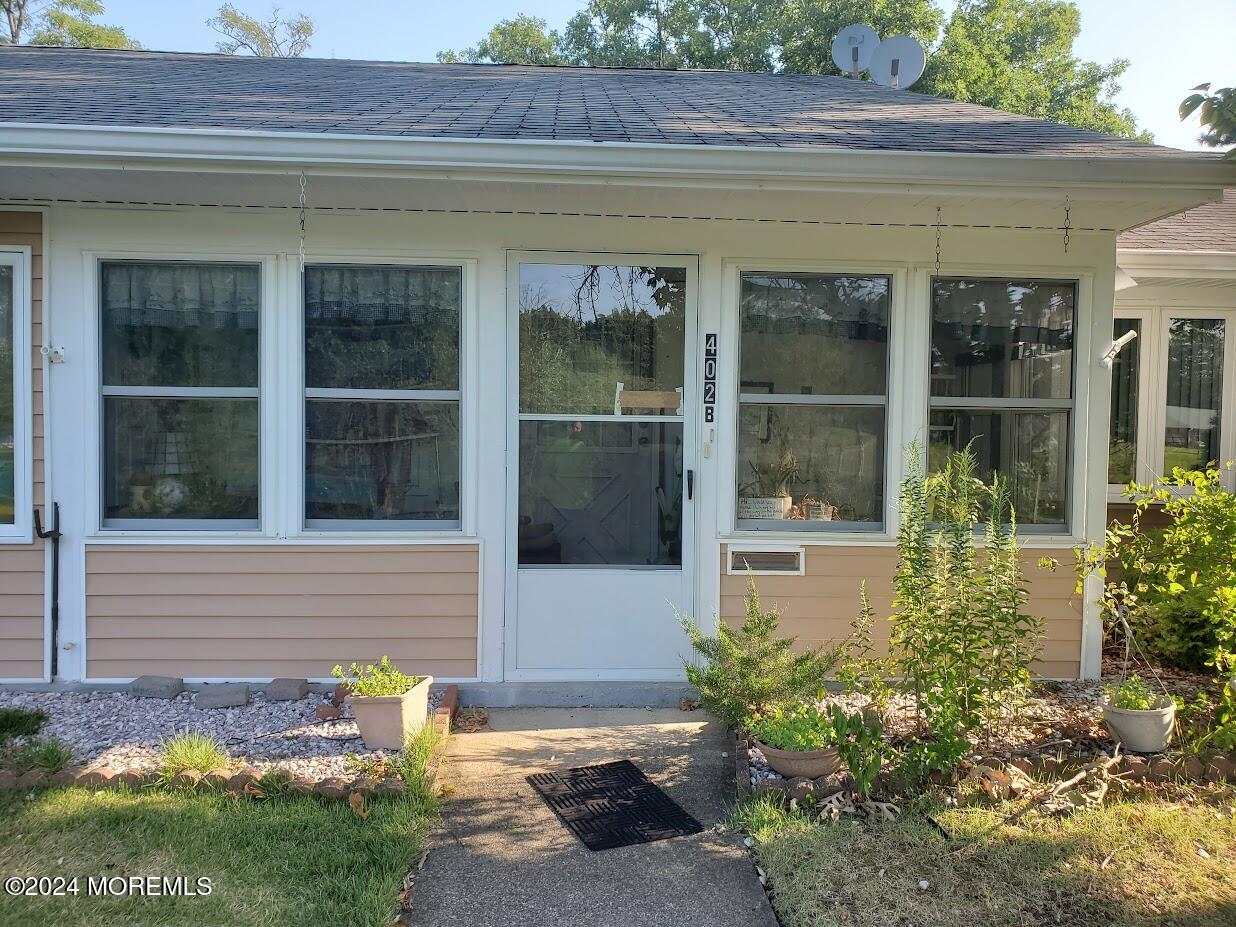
point(767, 561)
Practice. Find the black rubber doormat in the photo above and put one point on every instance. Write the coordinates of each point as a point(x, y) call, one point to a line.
point(613, 805)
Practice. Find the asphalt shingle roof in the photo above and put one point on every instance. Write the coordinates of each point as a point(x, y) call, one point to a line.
point(162, 89)
point(1204, 228)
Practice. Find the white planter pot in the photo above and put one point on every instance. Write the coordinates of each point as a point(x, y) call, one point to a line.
point(764, 506)
point(386, 721)
point(1141, 731)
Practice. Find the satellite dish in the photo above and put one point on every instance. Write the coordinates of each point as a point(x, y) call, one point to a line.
point(853, 48)
point(898, 62)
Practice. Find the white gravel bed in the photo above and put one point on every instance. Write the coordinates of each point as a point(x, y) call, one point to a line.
point(112, 729)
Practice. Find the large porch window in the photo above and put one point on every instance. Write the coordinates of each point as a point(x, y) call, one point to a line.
point(180, 373)
point(1002, 382)
point(382, 396)
point(15, 396)
point(813, 391)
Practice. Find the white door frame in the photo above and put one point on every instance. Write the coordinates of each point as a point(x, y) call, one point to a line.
point(690, 429)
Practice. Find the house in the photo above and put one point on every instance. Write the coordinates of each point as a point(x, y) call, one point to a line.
point(1174, 386)
point(487, 367)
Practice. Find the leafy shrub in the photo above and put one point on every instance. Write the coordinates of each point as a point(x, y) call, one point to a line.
point(862, 670)
point(1209, 723)
point(961, 638)
point(190, 750)
point(750, 672)
point(860, 742)
point(1175, 585)
point(20, 722)
point(803, 729)
point(45, 753)
point(1131, 694)
point(383, 679)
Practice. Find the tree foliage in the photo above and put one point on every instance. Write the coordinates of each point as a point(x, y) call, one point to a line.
point(60, 22)
point(1015, 55)
point(277, 37)
point(1217, 112)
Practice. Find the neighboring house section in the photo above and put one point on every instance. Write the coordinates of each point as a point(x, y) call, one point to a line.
point(1174, 386)
point(22, 577)
point(491, 368)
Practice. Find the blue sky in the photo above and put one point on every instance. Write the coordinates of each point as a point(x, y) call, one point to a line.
point(1172, 46)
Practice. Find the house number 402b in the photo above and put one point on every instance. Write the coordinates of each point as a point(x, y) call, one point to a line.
point(710, 376)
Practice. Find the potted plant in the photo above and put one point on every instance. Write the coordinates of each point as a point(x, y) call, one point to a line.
point(1138, 717)
point(768, 495)
point(799, 742)
point(389, 706)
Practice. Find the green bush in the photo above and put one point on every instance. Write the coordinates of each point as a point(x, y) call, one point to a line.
point(45, 753)
point(1176, 585)
point(20, 722)
point(190, 750)
point(746, 674)
point(860, 741)
point(370, 681)
point(1131, 694)
point(1208, 722)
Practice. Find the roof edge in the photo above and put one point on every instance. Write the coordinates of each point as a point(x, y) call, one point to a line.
point(705, 165)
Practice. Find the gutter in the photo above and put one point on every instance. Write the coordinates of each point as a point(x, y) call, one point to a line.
point(609, 163)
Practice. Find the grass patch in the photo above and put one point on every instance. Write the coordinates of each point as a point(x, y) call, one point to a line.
point(284, 861)
point(18, 722)
point(191, 750)
point(1132, 862)
point(44, 753)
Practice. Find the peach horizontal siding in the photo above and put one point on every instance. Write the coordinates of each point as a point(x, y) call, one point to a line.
point(22, 565)
point(259, 611)
point(818, 606)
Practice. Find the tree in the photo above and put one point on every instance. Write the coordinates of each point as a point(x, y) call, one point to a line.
point(60, 22)
point(276, 37)
point(522, 40)
point(1217, 115)
point(1015, 55)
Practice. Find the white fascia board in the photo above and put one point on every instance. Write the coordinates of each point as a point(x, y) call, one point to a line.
point(1194, 181)
point(1145, 263)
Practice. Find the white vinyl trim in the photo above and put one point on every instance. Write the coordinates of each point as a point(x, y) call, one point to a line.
point(21, 531)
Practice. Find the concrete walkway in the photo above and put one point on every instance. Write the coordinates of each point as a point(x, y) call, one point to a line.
point(502, 859)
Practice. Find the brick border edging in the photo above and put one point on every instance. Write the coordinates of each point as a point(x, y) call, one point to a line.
point(246, 781)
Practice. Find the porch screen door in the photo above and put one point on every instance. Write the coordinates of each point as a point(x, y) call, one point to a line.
point(602, 515)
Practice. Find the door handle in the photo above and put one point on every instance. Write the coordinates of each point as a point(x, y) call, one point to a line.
point(690, 484)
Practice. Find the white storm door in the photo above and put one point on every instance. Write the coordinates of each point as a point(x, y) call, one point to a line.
point(602, 451)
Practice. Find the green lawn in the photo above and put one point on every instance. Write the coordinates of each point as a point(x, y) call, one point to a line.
point(1133, 863)
point(282, 861)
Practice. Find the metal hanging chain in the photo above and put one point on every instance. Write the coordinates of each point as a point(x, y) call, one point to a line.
point(302, 222)
point(939, 233)
point(1068, 221)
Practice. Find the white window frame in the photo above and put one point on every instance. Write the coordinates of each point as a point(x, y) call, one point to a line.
point(335, 527)
point(19, 258)
point(179, 529)
point(1152, 400)
point(899, 373)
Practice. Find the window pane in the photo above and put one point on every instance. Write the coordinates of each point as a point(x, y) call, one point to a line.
point(1122, 446)
point(172, 324)
point(382, 327)
point(600, 493)
point(814, 463)
point(1194, 389)
point(8, 416)
point(180, 458)
point(1002, 338)
point(601, 339)
point(382, 460)
point(1030, 449)
point(814, 334)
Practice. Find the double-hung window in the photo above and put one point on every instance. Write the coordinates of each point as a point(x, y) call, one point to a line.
point(15, 396)
point(1168, 406)
point(1002, 383)
point(180, 350)
point(813, 392)
point(382, 396)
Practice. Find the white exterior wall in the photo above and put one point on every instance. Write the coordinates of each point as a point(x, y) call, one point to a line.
point(481, 243)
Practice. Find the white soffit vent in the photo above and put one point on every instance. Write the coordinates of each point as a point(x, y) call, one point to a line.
point(764, 562)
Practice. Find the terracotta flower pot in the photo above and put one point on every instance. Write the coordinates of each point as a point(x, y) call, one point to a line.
point(809, 763)
point(386, 721)
point(1141, 731)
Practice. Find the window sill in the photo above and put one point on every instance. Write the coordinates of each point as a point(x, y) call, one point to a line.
point(16, 538)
